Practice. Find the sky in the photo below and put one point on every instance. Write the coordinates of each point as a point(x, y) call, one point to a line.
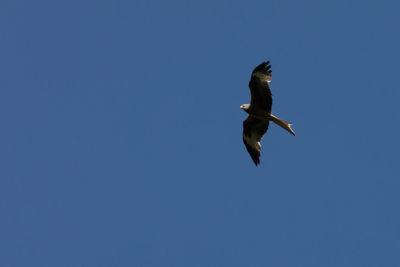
point(121, 134)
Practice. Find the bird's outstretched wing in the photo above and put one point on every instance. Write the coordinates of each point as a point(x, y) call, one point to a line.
point(261, 97)
point(253, 130)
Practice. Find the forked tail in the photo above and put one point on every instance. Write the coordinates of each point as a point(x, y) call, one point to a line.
point(285, 125)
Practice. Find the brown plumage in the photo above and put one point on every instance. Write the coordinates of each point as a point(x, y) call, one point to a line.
point(259, 110)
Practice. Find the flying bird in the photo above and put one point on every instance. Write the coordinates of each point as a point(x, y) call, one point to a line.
point(259, 110)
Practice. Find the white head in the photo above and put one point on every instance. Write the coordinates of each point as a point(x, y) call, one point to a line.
point(245, 107)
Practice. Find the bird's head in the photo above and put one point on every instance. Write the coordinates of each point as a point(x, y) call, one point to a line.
point(245, 107)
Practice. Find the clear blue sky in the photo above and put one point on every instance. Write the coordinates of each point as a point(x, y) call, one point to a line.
point(121, 134)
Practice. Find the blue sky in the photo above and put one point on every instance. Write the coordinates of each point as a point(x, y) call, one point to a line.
point(121, 134)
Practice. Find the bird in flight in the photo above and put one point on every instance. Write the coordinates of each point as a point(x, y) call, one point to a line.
point(259, 110)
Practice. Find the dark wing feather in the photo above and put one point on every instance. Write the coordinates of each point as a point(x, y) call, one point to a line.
point(261, 97)
point(253, 130)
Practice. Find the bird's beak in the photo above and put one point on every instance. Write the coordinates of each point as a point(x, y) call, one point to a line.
point(241, 107)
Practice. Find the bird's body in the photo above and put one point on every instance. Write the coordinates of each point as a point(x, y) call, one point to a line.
point(259, 110)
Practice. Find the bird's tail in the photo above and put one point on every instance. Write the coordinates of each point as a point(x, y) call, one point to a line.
point(285, 125)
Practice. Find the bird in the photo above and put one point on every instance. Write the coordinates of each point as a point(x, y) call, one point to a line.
point(259, 110)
